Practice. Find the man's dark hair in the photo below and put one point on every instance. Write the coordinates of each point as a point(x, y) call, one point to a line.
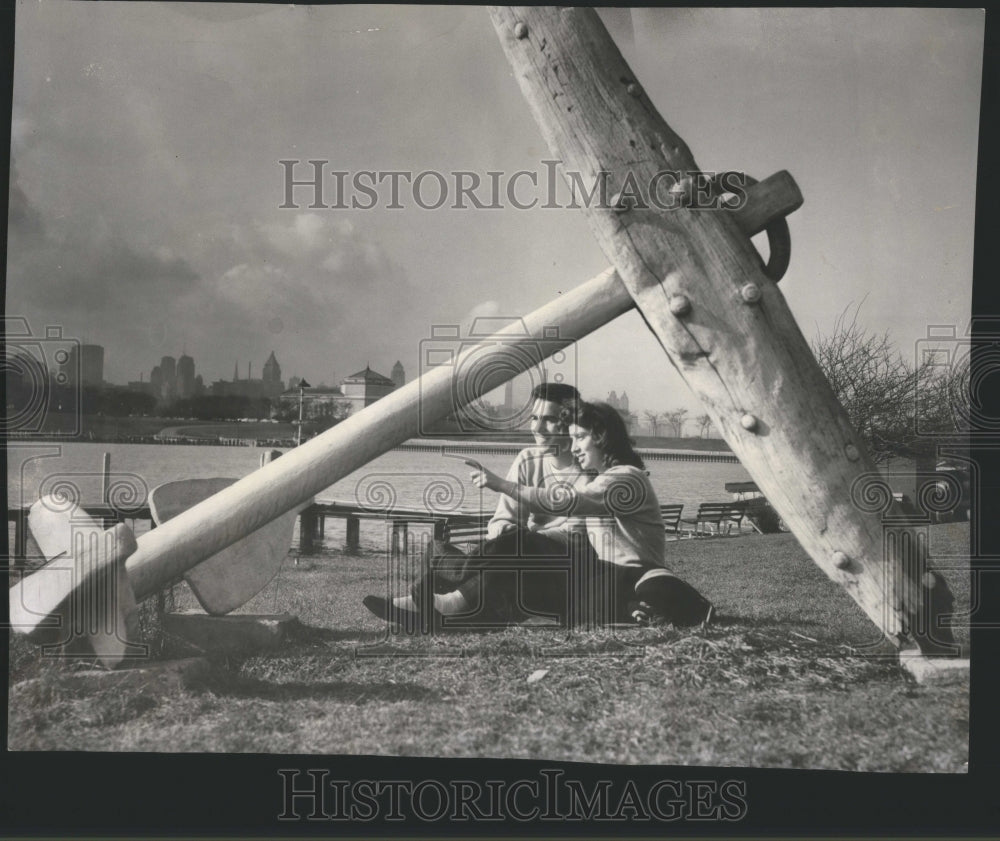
point(555, 392)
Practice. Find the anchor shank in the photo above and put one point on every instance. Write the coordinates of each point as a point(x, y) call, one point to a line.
point(700, 286)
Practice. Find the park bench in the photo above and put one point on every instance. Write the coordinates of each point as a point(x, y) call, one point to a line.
point(466, 529)
point(672, 518)
point(720, 515)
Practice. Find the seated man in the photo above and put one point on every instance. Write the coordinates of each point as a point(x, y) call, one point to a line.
point(548, 463)
point(514, 529)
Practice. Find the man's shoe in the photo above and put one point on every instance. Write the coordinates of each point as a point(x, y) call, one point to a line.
point(384, 609)
point(408, 620)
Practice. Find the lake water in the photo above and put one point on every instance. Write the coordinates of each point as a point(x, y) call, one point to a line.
point(412, 477)
point(408, 479)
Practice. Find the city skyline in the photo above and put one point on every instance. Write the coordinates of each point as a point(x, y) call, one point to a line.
point(236, 376)
point(132, 224)
point(175, 378)
point(502, 396)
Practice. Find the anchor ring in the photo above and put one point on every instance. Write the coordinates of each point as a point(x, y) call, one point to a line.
point(779, 238)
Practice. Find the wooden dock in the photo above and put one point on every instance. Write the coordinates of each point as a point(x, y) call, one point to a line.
point(312, 523)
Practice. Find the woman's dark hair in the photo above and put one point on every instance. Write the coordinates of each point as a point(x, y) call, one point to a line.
point(606, 424)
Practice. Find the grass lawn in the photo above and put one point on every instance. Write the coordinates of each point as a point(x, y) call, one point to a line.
point(249, 429)
point(773, 683)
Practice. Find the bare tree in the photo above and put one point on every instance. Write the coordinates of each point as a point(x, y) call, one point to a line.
point(653, 419)
point(676, 419)
point(944, 400)
point(881, 391)
point(704, 424)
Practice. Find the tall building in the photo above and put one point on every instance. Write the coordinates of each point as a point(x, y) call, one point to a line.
point(185, 377)
point(93, 364)
point(168, 374)
point(272, 370)
point(168, 366)
point(398, 375)
point(156, 382)
point(85, 362)
point(173, 379)
point(269, 386)
point(621, 404)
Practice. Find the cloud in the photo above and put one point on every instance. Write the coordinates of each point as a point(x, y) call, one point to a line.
point(23, 218)
point(79, 274)
point(484, 318)
point(318, 292)
point(306, 233)
point(148, 137)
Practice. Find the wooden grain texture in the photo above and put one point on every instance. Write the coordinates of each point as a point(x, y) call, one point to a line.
point(749, 363)
point(774, 197)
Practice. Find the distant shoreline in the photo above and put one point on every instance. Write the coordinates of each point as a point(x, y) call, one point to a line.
point(178, 431)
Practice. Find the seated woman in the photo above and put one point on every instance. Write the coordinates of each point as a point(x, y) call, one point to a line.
point(619, 574)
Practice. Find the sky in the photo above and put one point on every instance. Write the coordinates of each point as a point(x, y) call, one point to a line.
point(146, 188)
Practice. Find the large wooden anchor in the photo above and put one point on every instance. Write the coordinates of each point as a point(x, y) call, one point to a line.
point(702, 289)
